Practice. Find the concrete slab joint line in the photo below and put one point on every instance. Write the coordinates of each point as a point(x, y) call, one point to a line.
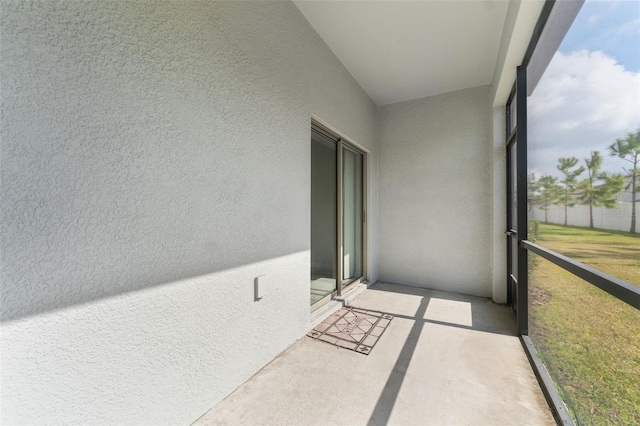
point(351, 328)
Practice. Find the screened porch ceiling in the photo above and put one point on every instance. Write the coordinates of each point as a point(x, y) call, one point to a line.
point(402, 50)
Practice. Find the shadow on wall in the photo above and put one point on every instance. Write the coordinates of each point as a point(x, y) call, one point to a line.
point(155, 355)
point(133, 152)
point(66, 286)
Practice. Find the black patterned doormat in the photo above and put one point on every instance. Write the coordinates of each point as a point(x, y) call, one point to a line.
point(352, 328)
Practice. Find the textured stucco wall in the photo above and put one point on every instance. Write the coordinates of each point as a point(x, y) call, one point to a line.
point(435, 196)
point(155, 159)
point(499, 172)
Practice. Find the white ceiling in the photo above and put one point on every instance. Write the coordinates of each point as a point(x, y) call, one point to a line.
point(401, 50)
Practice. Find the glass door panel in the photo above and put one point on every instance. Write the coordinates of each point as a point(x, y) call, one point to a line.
point(323, 216)
point(352, 215)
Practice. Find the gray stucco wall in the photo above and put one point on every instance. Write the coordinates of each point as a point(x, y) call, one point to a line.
point(499, 171)
point(435, 195)
point(155, 160)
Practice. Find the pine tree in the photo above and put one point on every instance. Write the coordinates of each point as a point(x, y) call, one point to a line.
point(629, 149)
point(547, 194)
point(570, 181)
point(599, 189)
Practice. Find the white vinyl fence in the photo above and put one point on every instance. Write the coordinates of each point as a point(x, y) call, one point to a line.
point(617, 219)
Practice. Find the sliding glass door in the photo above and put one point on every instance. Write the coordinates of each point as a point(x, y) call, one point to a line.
point(337, 215)
point(324, 222)
point(352, 215)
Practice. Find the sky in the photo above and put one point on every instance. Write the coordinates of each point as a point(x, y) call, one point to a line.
point(590, 93)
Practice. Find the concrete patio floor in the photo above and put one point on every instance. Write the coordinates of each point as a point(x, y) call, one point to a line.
point(444, 359)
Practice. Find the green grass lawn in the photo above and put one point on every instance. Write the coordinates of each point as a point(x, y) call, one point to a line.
point(589, 340)
point(615, 252)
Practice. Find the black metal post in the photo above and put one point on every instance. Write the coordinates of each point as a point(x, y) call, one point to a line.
point(522, 188)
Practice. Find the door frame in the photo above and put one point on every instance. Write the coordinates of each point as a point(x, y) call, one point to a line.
point(342, 142)
point(517, 285)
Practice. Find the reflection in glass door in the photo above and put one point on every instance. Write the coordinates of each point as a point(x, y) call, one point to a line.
point(352, 215)
point(338, 216)
point(324, 270)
